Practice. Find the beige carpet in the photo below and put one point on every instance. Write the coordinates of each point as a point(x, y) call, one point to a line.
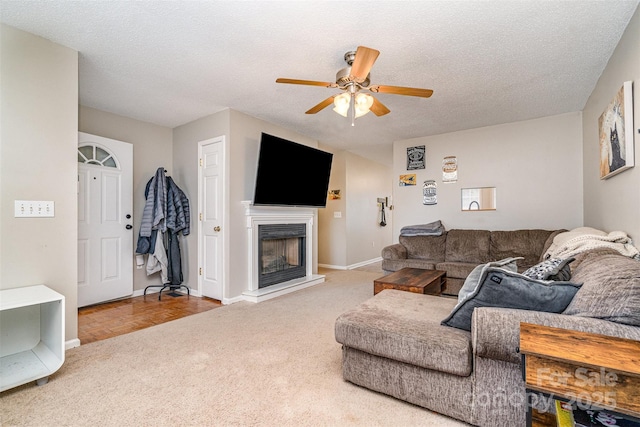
point(275, 363)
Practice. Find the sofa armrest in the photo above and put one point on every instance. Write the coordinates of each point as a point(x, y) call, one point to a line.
point(495, 332)
point(396, 251)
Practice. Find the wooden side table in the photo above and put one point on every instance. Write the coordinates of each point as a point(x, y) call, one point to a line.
point(588, 370)
point(417, 280)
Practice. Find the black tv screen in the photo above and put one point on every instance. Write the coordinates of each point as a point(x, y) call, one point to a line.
point(291, 174)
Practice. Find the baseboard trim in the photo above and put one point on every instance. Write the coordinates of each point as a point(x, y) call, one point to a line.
point(71, 344)
point(227, 301)
point(352, 266)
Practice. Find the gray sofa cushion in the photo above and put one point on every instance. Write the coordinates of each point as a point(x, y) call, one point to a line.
point(424, 247)
point(396, 251)
point(610, 290)
point(470, 246)
point(527, 244)
point(398, 264)
point(502, 288)
point(453, 286)
point(405, 326)
point(457, 270)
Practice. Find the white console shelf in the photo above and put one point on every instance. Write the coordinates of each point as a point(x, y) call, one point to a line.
point(31, 335)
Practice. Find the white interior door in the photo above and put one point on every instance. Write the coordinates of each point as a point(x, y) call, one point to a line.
point(105, 222)
point(211, 214)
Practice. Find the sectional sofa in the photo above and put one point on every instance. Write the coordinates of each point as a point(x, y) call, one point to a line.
point(458, 252)
point(395, 343)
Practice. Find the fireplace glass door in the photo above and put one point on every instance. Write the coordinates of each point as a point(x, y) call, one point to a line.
point(281, 253)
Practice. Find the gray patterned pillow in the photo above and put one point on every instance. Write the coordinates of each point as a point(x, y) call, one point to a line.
point(551, 269)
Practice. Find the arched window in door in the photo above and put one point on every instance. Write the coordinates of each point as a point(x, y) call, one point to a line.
point(95, 155)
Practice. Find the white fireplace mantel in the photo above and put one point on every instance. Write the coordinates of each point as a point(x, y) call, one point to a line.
point(260, 215)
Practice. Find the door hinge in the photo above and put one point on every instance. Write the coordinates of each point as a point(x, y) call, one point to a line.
point(200, 216)
point(200, 271)
point(200, 162)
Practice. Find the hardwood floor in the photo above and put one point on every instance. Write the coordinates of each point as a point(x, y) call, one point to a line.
point(102, 321)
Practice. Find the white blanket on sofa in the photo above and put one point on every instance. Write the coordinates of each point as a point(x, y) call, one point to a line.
point(582, 239)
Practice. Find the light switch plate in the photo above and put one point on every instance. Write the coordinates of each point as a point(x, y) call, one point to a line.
point(34, 209)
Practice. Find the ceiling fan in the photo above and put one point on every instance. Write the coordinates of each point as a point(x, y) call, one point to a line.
point(354, 80)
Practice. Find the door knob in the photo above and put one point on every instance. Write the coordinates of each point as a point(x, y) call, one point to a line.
point(216, 228)
point(128, 226)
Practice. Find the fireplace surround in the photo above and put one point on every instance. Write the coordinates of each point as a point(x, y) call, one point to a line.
point(292, 254)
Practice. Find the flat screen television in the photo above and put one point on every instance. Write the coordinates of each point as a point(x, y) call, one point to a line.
point(291, 174)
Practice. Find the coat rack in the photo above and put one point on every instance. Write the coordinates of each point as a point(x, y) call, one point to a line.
point(159, 237)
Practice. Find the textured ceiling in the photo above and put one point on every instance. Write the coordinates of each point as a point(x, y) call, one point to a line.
point(488, 62)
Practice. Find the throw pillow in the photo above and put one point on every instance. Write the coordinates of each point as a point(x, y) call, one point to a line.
point(498, 287)
point(551, 269)
point(473, 279)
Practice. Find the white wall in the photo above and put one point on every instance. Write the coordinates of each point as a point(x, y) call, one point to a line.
point(366, 181)
point(536, 166)
point(152, 148)
point(332, 239)
point(614, 203)
point(38, 161)
point(356, 237)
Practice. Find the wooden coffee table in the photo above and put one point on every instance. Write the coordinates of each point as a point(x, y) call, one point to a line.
point(431, 282)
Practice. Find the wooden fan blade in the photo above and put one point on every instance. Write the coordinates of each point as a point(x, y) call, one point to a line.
point(306, 82)
point(321, 105)
point(398, 90)
point(365, 57)
point(378, 108)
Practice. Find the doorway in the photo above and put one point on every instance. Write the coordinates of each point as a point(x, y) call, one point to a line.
point(105, 223)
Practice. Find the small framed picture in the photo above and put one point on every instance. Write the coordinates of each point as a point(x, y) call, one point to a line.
point(407, 179)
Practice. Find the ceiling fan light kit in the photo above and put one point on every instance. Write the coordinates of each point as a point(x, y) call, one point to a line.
point(362, 103)
point(341, 103)
point(352, 80)
point(360, 106)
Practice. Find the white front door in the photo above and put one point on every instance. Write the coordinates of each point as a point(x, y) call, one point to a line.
point(105, 222)
point(211, 215)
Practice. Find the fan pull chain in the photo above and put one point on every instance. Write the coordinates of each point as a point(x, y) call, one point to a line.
point(353, 108)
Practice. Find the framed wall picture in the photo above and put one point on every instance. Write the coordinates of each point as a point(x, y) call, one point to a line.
point(416, 157)
point(449, 169)
point(429, 192)
point(407, 179)
point(334, 195)
point(616, 133)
